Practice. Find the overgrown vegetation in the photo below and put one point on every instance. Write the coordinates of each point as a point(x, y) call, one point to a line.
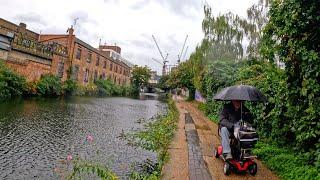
point(14, 85)
point(156, 136)
point(85, 168)
point(11, 84)
point(278, 32)
point(139, 78)
point(108, 88)
point(287, 163)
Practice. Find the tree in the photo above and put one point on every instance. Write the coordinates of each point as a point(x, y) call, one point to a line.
point(292, 36)
point(182, 77)
point(163, 82)
point(257, 18)
point(140, 76)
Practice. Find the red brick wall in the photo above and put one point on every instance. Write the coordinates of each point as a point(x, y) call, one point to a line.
point(32, 71)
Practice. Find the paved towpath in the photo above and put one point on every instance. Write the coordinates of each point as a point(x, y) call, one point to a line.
point(191, 152)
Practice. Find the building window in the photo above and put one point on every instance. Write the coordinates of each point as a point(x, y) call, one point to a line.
point(78, 54)
point(89, 58)
point(95, 77)
point(86, 75)
point(60, 69)
point(116, 69)
point(105, 64)
point(98, 60)
point(111, 66)
point(103, 76)
point(115, 80)
point(75, 71)
point(120, 70)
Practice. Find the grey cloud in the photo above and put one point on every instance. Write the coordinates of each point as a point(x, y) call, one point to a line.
point(178, 7)
point(54, 30)
point(80, 15)
point(143, 41)
point(112, 1)
point(140, 4)
point(31, 18)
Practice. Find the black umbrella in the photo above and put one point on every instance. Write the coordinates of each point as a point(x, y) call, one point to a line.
point(240, 92)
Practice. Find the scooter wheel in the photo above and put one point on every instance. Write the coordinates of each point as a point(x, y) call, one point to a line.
point(226, 169)
point(253, 168)
point(215, 153)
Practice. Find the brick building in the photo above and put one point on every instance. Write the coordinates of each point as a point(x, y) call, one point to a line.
point(88, 63)
point(22, 52)
point(65, 55)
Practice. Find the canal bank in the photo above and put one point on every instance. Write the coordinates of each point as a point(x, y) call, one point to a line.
point(193, 162)
point(37, 136)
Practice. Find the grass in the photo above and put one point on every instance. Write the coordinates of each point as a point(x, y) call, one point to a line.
point(156, 136)
point(285, 162)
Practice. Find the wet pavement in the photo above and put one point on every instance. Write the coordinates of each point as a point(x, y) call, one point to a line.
point(197, 167)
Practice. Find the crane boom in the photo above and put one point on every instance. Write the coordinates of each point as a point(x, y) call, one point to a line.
point(155, 41)
point(185, 53)
point(157, 60)
point(184, 44)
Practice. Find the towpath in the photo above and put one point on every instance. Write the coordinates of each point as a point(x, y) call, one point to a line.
point(191, 152)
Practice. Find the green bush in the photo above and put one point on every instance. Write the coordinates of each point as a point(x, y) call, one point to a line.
point(156, 136)
point(288, 164)
point(69, 87)
point(84, 168)
point(105, 87)
point(49, 85)
point(11, 84)
point(108, 88)
point(292, 37)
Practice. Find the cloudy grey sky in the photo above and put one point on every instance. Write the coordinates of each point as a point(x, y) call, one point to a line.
point(128, 23)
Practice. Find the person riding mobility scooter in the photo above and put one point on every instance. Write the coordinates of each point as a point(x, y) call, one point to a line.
point(233, 125)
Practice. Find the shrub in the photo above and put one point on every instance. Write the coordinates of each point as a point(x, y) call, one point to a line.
point(105, 87)
point(156, 137)
point(11, 84)
point(288, 164)
point(49, 85)
point(70, 87)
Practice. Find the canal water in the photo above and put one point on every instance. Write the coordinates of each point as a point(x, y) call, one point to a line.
point(36, 136)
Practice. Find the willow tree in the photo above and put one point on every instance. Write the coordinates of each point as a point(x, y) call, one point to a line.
point(257, 18)
point(224, 34)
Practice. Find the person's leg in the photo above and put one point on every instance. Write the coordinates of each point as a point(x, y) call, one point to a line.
point(225, 135)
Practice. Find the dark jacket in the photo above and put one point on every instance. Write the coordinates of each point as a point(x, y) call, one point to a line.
point(229, 116)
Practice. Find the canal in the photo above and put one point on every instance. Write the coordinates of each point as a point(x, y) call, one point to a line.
point(36, 136)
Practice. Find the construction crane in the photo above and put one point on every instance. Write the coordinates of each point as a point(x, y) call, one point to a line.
point(164, 66)
point(164, 58)
point(182, 50)
point(185, 53)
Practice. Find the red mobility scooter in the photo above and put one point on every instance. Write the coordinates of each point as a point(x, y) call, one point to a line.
point(241, 143)
point(244, 137)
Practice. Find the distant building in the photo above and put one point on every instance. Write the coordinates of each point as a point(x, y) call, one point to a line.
point(32, 55)
point(154, 79)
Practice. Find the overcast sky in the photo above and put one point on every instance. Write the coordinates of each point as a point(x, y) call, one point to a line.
point(128, 23)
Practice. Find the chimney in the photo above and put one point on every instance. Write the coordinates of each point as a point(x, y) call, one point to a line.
point(22, 26)
point(71, 31)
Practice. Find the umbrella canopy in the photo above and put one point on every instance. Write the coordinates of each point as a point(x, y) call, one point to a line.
point(240, 92)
